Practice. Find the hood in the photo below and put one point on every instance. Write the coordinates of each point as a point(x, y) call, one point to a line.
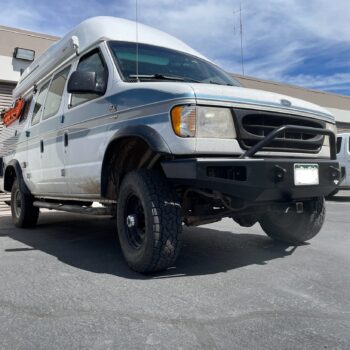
point(257, 99)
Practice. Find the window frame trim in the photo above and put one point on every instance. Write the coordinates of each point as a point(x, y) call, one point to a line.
point(104, 62)
point(27, 99)
point(117, 64)
point(63, 92)
point(36, 97)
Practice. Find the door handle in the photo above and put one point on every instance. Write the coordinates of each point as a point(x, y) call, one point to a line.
point(66, 140)
point(41, 146)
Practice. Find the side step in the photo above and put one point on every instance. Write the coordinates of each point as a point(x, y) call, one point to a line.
point(104, 211)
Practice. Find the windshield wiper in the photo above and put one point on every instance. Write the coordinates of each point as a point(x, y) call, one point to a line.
point(217, 83)
point(162, 77)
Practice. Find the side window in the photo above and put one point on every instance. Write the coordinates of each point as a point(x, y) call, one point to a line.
point(92, 62)
point(54, 95)
point(339, 141)
point(39, 104)
point(349, 144)
point(25, 112)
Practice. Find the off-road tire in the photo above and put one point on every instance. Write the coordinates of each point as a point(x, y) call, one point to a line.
point(161, 217)
point(28, 215)
point(292, 227)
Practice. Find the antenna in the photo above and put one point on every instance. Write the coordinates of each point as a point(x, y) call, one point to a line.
point(241, 34)
point(137, 40)
point(241, 31)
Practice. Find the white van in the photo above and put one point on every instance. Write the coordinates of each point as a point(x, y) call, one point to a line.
point(161, 137)
point(343, 156)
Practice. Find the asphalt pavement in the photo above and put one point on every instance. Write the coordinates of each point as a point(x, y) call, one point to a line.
point(64, 285)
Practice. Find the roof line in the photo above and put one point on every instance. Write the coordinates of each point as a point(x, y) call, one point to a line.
point(288, 85)
point(29, 33)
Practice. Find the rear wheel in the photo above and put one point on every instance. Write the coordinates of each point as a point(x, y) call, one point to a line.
point(149, 221)
point(24, 214)
point(292, 227)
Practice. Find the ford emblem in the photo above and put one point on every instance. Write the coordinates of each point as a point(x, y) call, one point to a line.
point(286, 103)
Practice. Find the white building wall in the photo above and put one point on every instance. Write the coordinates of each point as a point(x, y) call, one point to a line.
point(10, 68)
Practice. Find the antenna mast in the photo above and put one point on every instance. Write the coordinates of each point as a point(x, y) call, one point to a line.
point(137, 40)
point(241, 31)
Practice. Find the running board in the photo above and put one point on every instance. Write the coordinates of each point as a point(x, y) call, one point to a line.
point(77, 209)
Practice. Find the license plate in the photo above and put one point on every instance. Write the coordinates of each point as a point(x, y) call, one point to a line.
point(306, 174)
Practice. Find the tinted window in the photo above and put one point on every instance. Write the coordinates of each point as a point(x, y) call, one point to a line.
point(39, 104)
point(155, 60)
point(54, 95)
point(339, 141)
point(25, 113)
point(91, 63)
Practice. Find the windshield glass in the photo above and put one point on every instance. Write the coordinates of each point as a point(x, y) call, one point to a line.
point(158, 63)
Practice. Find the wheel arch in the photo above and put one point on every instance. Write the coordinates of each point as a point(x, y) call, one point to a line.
point(128, 149)
point(13, 171)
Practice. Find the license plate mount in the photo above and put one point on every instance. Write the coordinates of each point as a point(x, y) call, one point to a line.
point(306, 174)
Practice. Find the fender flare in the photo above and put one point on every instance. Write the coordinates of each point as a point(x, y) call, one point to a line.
point(154, 140)
point(150, 136)
point(18, 170)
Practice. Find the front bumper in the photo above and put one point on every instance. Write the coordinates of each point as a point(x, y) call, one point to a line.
point(252, 179)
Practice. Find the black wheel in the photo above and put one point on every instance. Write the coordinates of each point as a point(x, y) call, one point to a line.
point(24, 214)
point(149, 221)
point(292, 227)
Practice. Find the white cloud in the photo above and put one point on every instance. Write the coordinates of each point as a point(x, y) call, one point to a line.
point(279, 35)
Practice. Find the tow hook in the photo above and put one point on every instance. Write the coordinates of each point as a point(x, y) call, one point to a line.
point(299, 208)
point(336, 175)
point(279, 173)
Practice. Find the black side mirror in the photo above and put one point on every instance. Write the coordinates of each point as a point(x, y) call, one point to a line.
point(81, 82)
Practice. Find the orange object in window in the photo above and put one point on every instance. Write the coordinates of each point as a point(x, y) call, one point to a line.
point(13, 113)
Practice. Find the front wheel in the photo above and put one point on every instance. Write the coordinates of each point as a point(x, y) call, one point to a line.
point(149, 221)
point(24, 214)
point(293, 227)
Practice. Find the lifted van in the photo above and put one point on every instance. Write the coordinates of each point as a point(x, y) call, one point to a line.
point(161, 137)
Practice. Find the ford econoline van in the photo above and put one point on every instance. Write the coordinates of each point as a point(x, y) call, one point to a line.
point(161, 137)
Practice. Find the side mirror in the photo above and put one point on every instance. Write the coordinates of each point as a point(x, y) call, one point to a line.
point(81, 82)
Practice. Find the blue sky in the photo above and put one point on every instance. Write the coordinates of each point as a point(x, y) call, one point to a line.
point(300, 42)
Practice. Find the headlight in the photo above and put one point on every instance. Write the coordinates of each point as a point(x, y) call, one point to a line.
point(183, 119)
point(204, 122)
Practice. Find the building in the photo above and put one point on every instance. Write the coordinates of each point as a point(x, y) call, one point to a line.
point(338, 105)
point(17, 50)
point(13, 60)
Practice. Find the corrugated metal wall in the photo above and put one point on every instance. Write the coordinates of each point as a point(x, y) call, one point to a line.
point(6, 95)
point(5, 134)
point(5, 102)
point(4, 208)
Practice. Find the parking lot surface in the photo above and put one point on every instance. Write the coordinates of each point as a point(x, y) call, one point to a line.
point(64, 285)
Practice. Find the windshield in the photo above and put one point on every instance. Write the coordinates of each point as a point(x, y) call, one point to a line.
point(158, 63)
